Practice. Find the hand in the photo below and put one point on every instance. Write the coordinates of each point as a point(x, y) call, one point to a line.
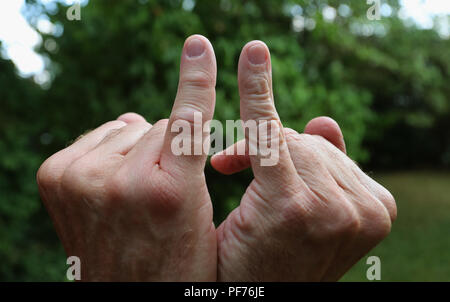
point(125, 204)
point(311, 216)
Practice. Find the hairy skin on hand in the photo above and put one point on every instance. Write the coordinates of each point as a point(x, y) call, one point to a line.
point(312, 215)
point(132, 210)
point(125, 205)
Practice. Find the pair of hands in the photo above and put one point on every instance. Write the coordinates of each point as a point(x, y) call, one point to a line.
point(132, 210)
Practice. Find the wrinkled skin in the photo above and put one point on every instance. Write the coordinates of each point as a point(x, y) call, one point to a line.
point(125, 204)
point(132, 210)
point(311, 216)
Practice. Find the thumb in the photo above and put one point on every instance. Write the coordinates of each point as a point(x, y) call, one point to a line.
point(328, 129)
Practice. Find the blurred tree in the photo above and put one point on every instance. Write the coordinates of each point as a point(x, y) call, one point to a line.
point(384, 82)
point(28, 245)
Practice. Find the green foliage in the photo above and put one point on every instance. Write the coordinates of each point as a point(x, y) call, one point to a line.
point(383, 82)
point(28, 246)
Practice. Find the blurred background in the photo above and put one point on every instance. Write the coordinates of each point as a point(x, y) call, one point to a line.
point(386, 82)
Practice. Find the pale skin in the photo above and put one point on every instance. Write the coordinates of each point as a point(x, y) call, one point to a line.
point(132, 210)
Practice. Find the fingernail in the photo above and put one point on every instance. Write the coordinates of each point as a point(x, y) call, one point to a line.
point(195, 48)
point(257, 54)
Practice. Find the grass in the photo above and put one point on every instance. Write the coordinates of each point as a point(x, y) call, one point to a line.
point(418, 248)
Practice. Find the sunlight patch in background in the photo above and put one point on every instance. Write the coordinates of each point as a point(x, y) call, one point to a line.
point(19, 39)
point(422, 11)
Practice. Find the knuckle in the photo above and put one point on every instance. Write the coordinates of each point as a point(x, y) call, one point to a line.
point(290, 134)
point(348, 220)
point(291, 138)
point(389, 202)
point(197, 79)
point(115, 124)
point(160, 127)
point(302, 140)
point(81, 175)
point(384, 228)
point(306, 150)
point(261, 108)
point(71, 177)
point(110, 135)
point(336, 219)
point(378, 223)
point(257, 87)
point(49, 173)
point(161, 124)
point(163, 121)
point(379, 231)
point(186, 116)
